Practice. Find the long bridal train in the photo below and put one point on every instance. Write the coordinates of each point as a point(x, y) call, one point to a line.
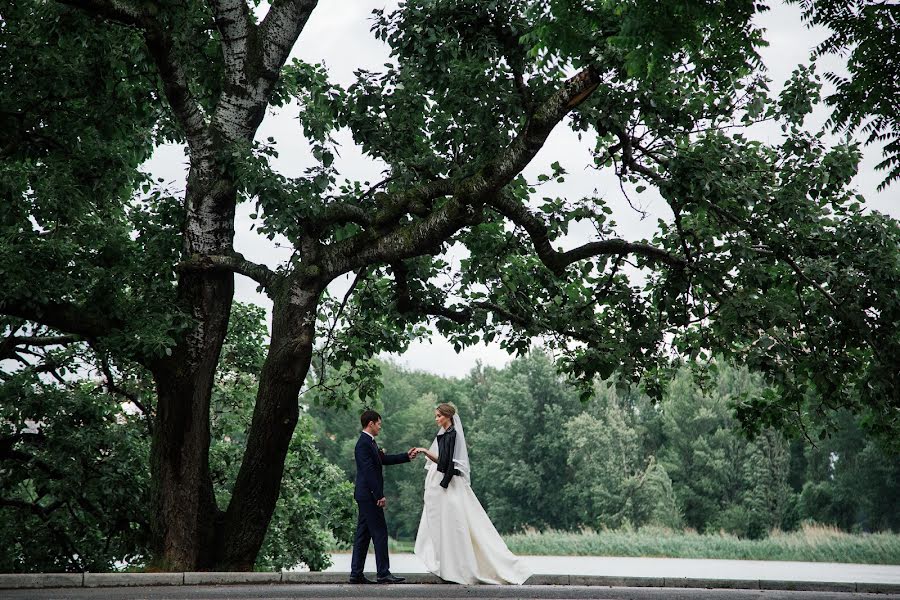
point(457, 541)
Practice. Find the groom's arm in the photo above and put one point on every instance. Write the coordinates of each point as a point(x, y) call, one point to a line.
point(395, 459)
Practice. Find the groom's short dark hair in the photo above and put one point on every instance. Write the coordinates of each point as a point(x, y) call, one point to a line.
point(367, 417)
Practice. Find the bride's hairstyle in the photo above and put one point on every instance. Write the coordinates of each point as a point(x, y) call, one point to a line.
point(447, 409)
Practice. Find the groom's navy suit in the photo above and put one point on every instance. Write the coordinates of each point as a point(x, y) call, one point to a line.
point(369, 489)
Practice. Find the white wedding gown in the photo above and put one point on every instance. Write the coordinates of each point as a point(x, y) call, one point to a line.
point(456, 539)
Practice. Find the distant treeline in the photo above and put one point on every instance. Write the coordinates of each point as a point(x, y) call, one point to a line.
point(543, 459)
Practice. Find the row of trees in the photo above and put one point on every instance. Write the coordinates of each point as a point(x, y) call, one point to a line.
point(542, 459)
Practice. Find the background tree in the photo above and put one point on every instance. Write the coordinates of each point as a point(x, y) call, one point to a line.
point(609, 486)
point(848, 483)
point(722, 479)
point(768, 257)
point(517, 447)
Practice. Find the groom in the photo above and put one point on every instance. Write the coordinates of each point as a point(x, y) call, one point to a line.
point(369, 494)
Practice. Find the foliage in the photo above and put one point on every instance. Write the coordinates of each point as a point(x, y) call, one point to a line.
point(814, 543)
point(867, 33)
point(610, 486)
point(74, 485)
point(74, 456)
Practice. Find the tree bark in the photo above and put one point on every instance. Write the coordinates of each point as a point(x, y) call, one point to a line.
point(185, 511)
point(275, 415)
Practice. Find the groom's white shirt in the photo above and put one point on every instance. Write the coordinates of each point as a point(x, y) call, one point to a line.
point(369, 434)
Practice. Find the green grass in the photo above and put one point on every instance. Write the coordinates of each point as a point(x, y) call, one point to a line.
point(399, 546)
point(812, 543)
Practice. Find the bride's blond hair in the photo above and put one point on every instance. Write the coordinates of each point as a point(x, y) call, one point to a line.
point(447, 409)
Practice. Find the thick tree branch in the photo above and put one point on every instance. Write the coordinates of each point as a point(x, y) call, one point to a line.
point(72, 318)
point(235, 27)
point(235, 263)
point(121, 11)
point(424, 235)
point(253, 66)
point(280, 29)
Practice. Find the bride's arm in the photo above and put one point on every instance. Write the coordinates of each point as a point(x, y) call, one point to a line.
point(431, 457)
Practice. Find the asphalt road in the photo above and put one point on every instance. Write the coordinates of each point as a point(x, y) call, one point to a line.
point(417, 592)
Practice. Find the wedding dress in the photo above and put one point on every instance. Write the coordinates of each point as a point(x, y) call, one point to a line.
point(456, 539)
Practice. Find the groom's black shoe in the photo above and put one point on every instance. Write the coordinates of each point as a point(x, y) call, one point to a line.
point(360, 579)
point(391, 579)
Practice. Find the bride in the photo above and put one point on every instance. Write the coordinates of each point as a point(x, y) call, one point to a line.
point(456, 539)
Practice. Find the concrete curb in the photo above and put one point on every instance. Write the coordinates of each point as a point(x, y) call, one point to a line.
point(41, 580)
point(91, 580)
point(132, 579)
point(230, 578)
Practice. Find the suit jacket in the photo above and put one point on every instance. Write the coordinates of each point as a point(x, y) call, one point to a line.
point(369, 474)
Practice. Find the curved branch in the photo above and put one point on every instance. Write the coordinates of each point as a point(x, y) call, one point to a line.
point(8, 345)
point(175, 84)
point(339, 213)
point(557, 261)
point(408, 305)
point(115, 388)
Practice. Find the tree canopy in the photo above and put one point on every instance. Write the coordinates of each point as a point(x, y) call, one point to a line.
point(770, 258)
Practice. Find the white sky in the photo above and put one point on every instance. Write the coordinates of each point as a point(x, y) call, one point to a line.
point(341, 38)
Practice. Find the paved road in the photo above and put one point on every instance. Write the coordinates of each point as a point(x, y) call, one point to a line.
point(669, 567)
point(419, 592)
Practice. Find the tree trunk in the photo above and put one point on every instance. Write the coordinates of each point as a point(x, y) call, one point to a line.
point(275, 416)
point(185, 511)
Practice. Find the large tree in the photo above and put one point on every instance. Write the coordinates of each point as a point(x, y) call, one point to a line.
point(769, 257)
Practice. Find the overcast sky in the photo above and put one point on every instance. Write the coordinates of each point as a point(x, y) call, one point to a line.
point(341, 38)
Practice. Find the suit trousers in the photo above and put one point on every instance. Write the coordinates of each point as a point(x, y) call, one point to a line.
point(370, 525)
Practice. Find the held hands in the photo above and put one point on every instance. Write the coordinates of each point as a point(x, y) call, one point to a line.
point(381, 503)
point(414, 452)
